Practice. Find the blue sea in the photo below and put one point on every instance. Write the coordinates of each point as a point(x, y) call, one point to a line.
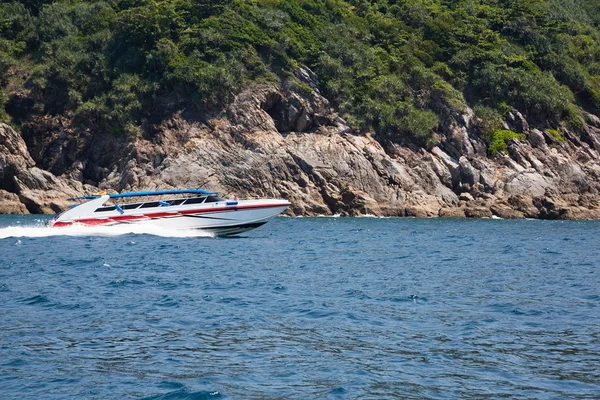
point(302, 308)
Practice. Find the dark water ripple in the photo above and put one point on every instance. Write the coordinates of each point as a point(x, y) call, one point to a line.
point(305, 308)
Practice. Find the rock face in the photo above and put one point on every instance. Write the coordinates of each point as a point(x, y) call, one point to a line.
point(273, 141)
point(25, 188)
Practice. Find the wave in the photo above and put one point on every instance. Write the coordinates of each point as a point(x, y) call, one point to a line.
point(39, 230)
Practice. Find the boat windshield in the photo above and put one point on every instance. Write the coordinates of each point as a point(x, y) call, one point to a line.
point(155, 201)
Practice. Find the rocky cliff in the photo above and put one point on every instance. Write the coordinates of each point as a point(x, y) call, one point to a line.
point(274, 141)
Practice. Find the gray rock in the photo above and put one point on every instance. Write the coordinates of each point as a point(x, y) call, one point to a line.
point(466, 197)
point(466, 117)
point(468, 176)
point(37, 190)
point(274, 142)
point(478, 212)
point(518, 121)
point(11, 204)
point(452, 212)
point(592, 119)
point(458, 143)
point(306, 75)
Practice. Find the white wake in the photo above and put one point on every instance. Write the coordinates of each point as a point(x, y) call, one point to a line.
point(41, 230)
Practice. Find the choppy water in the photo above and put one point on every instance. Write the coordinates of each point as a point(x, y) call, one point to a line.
point(303, 308)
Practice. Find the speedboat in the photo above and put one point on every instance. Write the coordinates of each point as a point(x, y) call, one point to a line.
point(172, 209)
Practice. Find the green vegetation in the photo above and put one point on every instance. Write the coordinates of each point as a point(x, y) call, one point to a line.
point(557, 135)
point(490, 124)
point(399, 67)
point(499, 138)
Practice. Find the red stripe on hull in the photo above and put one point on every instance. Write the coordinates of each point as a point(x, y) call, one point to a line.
point(128, 218)
point(160, 215)
point(186, 212)
point(92, 221)
point(60, 224)
point(157, 215)
point(233, 208)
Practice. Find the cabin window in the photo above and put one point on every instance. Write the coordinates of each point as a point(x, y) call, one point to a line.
point(101, 209)
point(175, 202)
point(213, 199)
point(130, 206)
point(150, 204)
point(195, 200)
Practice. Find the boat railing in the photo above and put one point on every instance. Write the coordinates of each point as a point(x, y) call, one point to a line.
point(131, 203)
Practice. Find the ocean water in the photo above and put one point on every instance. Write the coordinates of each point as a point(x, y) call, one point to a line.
point(302, 308)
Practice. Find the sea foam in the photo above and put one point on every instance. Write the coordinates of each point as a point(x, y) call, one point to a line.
point(40, 230)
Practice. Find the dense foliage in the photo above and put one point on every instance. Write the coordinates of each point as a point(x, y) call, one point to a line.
point(399, 67)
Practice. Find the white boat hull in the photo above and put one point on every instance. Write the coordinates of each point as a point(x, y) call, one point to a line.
point(220, 218)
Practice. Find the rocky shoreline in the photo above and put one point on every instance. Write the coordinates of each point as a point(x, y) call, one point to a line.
point(273, 141)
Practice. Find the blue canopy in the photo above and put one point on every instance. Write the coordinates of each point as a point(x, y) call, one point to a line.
point(136, 194)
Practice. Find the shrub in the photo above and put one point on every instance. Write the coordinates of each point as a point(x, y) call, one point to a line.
point(538, 95)
point(4, 117)
point(17, 28)
point(499, 138)
point(490, 125)
point(556, 135)
point(488, 120)
point(575, 119)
